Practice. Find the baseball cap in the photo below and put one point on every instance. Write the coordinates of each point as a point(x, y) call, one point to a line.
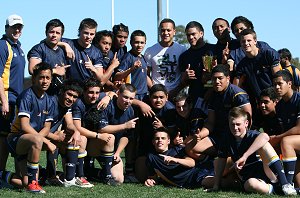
point(14, 19)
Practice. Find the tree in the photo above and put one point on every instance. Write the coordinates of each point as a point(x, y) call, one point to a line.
point(180, 36)
point(295, 61)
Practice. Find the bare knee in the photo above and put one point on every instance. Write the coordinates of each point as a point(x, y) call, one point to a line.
point(255, 185)
point(36, 142)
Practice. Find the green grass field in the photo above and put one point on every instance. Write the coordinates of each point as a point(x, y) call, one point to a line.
point(125, 190)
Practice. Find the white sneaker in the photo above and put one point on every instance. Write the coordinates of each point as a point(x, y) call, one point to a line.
point(288, 189)
point(70, 183)
point(83, 183)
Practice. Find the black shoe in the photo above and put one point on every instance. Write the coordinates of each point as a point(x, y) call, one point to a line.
point(109, 180)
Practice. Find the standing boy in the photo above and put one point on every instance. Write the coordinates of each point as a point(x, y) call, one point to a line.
point(134, 67)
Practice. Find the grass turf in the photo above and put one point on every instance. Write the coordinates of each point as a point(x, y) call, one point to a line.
point(125, 190)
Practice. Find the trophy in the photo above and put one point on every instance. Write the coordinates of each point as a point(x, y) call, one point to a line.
point(208, 65)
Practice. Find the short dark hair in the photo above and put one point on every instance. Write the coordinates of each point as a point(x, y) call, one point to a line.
point(100, 34)
point(271, 93)
point(167, 20)
point(87, 23)
point(91, 82)
point(182, 96)
point(222, 69)
point(55, 23)
point(73, 85)
point(237, 112)
point(161, 129)
point(248, 31)
point(120, 27)
point(244, 20)
point(194, 24)
point(42, 66)
point(137, 33)
point(285, 74)
point(285, 53)
point(217, 19)
point(128, 87)
point(156, 88)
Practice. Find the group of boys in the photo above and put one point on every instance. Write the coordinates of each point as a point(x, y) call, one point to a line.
point(67, 112)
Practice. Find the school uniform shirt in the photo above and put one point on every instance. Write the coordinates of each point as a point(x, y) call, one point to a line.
point(235, 149)
point(167, 115)
point(138, 77)
point(38, 110)
point(221, 103)
point(113, 115)
point(78, 71)
point(237, 53)
point(177, 174)
point(198, 115)
point(120, 52)
point(107, 59)
point(59, 114)
point(53, 57)
point(288, 112)
point(46, 54)
point(81, 108)
point(258, 70)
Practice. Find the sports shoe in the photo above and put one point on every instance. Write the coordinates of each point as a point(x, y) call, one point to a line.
point(288, 189)
point(83, 183)
point(55, 181)
point(70, 183)
point(34, 187)
point(109, 180)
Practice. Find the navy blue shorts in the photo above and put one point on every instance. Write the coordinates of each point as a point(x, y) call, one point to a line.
point(255, 170)
point(12, 141)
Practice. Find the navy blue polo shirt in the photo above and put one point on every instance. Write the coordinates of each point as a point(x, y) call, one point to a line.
point(12, 65)
point(237, 53)
point(59, 114)
point(38, 110)
point(288, 112)
point(107, 59)
point(46, 54)
point(78, 71)
point(113, 115)
point(222, 103)
point(235, 149)
point(138, 77)
point(195, 119)
point(258, 70)
point(120, 52)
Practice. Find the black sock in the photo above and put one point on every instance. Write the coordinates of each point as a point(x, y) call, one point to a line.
point(276, 167)
point(89, 165)
point(289, 165)
point(79, 165)
point(51, 163)
point(105, 160)
point(71, 160)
